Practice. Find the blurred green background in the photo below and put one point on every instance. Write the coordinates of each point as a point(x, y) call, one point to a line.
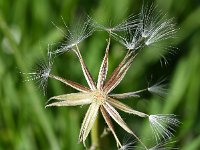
point(25, 32)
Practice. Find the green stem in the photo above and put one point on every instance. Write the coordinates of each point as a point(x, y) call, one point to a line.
point(95, 135)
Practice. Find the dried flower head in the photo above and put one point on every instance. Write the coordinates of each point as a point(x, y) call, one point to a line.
point(98, 94)
point(98, 97)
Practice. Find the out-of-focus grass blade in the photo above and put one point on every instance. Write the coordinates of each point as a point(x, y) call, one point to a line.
point(192, 145)
point(190, 24)
point(30, 91)
point(192, 96)
point(187, 71)
point(176, 94)
point(74, 122)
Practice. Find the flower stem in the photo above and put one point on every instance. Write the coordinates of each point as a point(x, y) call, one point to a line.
point(95, 135)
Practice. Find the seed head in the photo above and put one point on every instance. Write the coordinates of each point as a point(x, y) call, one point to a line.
point(164, 145)
point(128, 143)
point(42, 72)
point(154, 27)
point(149, 27)
point(75, 34)
point(129, 23)
point(159, 88)
point(163, 125)
point(134, 33)
point(130, 39)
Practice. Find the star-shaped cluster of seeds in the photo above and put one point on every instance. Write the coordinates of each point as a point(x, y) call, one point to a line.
point(139, 32)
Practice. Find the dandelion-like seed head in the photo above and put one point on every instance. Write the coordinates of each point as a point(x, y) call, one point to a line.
point(128, 143)
point(151, 27)
point(130, 39)
point(154, 27)
point(163, 125)
point(159, 88)
point(75, 34)
point(42, 72)
point(129, 23)
point(136, 33)
point(164, 145)
point(128, 146)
